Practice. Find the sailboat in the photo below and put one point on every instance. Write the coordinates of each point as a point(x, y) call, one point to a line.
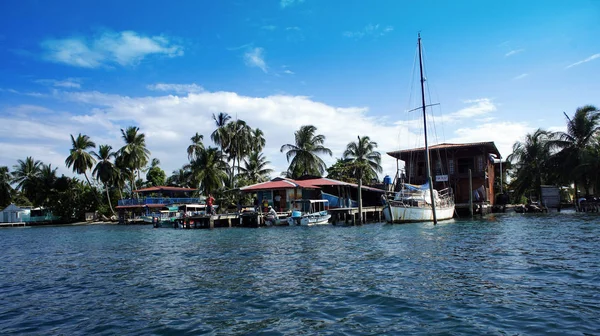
point(420, 203)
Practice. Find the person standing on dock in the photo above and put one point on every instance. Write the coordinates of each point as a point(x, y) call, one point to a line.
point(277, 202)
point(256, 203)
point(209, 205)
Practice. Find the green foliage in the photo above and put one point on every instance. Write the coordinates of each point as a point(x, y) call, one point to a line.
point(209, 171)
point(72, 199)
point(530, 160)
point(20, 199)
point(6, 189)
point(156, 176)
point(25, 174)
point(303, 155)
point(560, 157)
point(342, 170)
point(255, 169)
point(134, 155)
point(363, 159)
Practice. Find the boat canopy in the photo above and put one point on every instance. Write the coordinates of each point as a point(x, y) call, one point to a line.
point(415, 187)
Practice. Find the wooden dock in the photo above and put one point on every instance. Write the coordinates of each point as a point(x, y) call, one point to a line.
point(210, 222)
point(351, 216)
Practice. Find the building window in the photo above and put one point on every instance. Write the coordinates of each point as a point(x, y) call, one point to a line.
point(451, 166)
point(421, 169)
point(480, 163)
point(438, 167)
point(464, 165)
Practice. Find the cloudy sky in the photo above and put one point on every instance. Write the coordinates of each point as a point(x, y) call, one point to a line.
point(498, 70)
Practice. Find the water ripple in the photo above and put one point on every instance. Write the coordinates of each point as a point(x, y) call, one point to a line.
point(508, 274)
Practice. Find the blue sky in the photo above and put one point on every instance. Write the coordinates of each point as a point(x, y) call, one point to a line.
point(499, 70)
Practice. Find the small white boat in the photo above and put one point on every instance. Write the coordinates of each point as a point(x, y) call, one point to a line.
point(310, 212)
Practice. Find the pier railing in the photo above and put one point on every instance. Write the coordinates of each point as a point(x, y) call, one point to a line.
point(159, 200)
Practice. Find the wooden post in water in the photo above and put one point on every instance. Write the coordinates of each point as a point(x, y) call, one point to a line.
point(470, 193)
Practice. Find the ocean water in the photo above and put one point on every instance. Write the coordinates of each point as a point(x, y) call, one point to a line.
point(508, 274)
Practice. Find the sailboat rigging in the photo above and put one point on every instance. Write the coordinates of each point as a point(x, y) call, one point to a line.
point(420, 203)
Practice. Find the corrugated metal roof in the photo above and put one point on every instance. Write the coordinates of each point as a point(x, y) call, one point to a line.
point(489, 144)
point(276, 183)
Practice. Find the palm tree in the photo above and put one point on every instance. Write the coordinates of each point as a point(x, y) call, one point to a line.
point(573, 144)
point(258, 140)
point(194, 149)
point(219, 136)
point(105, 170)
point(209, 170)
point(134, 154)
point(304, 153)
point(25, 174)
point(45, 184)
point(6, 189)
point(122, 174)
point(255, 168)
point(79, 158)
point(530, 159)
point(240, 142)
point(365, 161)
point(180, 177)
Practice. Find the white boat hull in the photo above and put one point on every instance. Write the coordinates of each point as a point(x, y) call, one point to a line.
point(309, 220)
point(405, 214)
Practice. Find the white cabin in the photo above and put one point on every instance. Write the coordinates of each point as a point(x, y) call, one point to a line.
point(14, 214)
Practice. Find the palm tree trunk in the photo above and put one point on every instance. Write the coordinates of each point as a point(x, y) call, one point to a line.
point(360, 207)
point(93, 189)
point(108, 198)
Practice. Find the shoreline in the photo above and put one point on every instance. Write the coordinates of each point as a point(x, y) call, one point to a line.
point(29, 225)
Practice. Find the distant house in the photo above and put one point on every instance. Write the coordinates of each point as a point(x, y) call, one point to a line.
point(153, 199)
point(450, 164)
point(280, 192)
point(26, 214)
point(14, 214)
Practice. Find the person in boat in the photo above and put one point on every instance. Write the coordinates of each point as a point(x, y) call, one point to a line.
point(209, 205)
point(272, 215)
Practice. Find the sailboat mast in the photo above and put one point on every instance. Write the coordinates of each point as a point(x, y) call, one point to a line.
point(427, 161)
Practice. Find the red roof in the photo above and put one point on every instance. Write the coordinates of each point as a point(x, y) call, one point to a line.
point(313, 183)
point(163, 188)
point(276, 183)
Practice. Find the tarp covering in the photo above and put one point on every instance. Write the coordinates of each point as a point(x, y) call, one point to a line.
point(415, 187)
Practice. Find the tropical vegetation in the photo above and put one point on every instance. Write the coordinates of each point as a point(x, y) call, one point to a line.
point(563, 158)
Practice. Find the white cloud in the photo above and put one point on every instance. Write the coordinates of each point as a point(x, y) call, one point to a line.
point(477, 108)
point(256, 58)
point(69, 83)
point(513, 52)
point(109, 48)
point(591, 58)
point(287, 3)
point(169, 121)
point(269, 27)
point(521, 76)
point(289, 72)
point(369, 30)
point(177, 88)
point(504, 134)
